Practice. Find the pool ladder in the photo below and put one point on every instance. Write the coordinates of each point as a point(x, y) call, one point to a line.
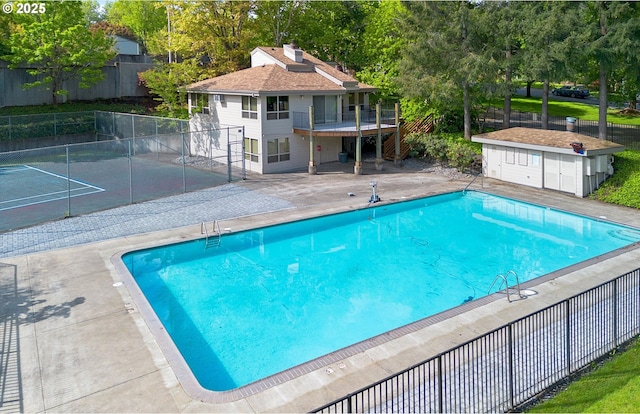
point(504, 280)
point(214, 238)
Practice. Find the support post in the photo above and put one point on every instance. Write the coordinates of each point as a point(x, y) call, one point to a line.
point(378, 140)
point(313, 169)
point(396, 159)
point(357, 168)
point(68, 214)
point(242, 157)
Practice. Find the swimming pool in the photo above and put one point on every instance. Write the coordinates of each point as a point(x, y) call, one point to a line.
point(275, 297)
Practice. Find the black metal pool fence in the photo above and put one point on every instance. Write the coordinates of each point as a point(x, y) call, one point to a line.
point(627, 135)
point(507, 367)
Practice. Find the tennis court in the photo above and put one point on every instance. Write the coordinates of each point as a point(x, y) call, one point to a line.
point(47, 184)
point(24, 185)
point(131, 159)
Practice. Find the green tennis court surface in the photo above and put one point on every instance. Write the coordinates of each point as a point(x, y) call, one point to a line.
point(24, 185)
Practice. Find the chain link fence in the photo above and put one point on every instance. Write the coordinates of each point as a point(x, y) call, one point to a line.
point(32, 131)
point(627, 135)
point(132, 158)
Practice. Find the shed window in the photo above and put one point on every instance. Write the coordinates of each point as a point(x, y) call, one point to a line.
point(523, 157)
point(510, 155)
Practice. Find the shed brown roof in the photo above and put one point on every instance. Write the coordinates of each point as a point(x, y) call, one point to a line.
point(549, 138)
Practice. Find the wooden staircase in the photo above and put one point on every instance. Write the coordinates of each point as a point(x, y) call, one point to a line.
point(419, 125)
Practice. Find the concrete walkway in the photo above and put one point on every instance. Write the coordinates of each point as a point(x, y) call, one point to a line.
point(75, 341)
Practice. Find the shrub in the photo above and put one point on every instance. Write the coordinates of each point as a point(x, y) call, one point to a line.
point(417, 143)
point(460, 156)
point(623, 186)
point(437, 148)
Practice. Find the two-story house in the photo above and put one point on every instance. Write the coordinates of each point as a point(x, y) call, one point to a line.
point(296, 112)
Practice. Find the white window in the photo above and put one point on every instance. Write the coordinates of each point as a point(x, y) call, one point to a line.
point(325, 109)
point(523, 157)
point(510, 155)
point(356, 98)
point(200, 102)
point(249, 107)
point(251, 152)
point(277, 107)
point(278, 150)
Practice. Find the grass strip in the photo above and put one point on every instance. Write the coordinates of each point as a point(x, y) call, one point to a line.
point(612, 388)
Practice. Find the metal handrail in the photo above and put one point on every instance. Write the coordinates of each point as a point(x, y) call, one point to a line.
point(215, 231)
point(505, 281)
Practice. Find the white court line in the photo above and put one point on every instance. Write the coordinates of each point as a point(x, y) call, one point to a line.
point(52, 194)
point(13, 169)
point(64, 178)
point(49, 199)
point(55, 194)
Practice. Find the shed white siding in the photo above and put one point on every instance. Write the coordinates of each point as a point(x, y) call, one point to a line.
point(571, 173)
point(521, 166)
point(558, 160)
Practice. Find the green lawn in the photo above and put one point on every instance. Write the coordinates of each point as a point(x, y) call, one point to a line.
point(611, 388)
point(574, 109)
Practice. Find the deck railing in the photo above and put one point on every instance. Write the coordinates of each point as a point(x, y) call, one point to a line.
point(507, 367)
point(328, 121)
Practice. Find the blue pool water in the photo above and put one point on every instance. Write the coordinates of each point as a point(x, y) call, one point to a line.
point(275, 297)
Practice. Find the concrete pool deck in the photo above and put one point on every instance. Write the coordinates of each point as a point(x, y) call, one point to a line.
point(75, 341)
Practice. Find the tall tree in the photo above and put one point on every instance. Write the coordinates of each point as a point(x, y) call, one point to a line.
point(332, 31)
point(93, 11)
point(58, 46)
point(5, 32)
point(145, 18)
point(550, 52)
point(611, 40)
point(505, 20)
point(211, 31)
point(276, 21)
point(382, 45)
point(445, 60)
point(599, 47)
point(624, 32)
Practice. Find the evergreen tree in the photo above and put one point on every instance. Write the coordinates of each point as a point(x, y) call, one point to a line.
point(445, 61)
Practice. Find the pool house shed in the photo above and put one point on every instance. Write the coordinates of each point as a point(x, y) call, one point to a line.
point(557, 160)
point(296, 111)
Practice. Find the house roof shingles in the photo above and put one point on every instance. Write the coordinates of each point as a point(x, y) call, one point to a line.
point(301, 77)
point(549, 138)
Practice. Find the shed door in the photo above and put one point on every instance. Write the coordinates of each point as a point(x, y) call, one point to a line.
point(494, 162)
point(568, 173)
point(551, 171)
point(560, 172)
